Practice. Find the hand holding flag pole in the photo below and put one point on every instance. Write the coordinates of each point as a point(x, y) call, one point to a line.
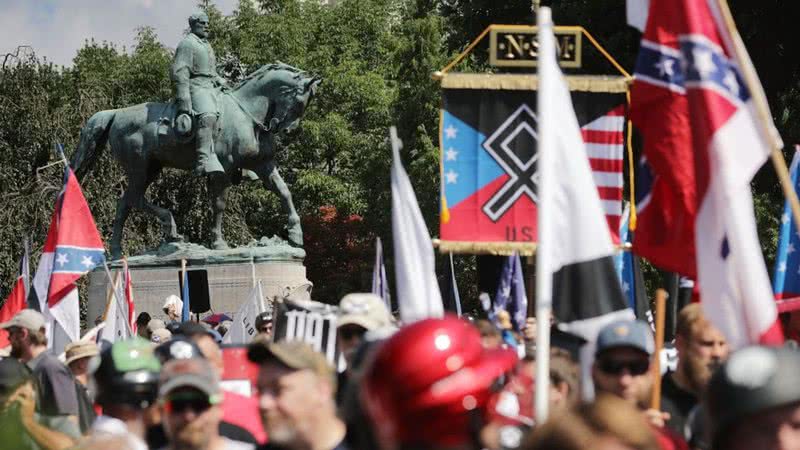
point(762, 110)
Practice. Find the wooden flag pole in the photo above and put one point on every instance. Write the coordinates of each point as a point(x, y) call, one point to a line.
point(111, 294)
point(661, 307)
point(762, 109)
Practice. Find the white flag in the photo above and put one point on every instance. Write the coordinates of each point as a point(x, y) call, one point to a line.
point(418, 295)
point(636, 12)
point(117, 327)
point(243, 329)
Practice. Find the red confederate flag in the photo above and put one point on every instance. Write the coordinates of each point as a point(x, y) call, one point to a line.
point(73, 248)
point(703, 144)
point(17, 298)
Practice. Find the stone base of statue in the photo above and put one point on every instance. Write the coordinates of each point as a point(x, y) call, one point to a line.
point(230, 275)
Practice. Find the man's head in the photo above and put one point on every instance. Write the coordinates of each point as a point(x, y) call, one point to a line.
point(490, 335)
point(160, 336)
point(622, 360)
point(190, 395)
point(264, 325)
point(141, 325)
point(701, 347)
point(359, 313)
point(78, 355)
point(127, 375)
point(198, 22)
point(173, 307)
point(753, 400)
point(430, 384)
point(26, 333)
point(296, 387)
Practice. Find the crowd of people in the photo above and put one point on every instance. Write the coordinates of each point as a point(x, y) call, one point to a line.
point(445, 383)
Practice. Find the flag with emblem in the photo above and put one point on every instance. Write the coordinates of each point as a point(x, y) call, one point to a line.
point(703, 144)
point(73, 247)
point(16, 300)
point(786, 282)
point(489, 139)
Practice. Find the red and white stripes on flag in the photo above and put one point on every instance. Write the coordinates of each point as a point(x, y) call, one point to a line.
point(605, 143)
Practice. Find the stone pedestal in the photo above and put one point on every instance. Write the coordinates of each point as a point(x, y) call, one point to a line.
point(230, 276)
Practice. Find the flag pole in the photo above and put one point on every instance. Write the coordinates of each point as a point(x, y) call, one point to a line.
point(544, 278)
point(762, 109)
point(661, 308)
point(111, 294)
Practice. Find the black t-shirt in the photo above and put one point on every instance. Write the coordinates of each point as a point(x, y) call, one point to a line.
point(678, 403)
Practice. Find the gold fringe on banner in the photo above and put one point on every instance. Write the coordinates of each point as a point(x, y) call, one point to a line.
point(525, 82)
point(486, 248)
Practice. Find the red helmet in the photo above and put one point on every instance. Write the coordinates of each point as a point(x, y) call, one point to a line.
point(428, 380)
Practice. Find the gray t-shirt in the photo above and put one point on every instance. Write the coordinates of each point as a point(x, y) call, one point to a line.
point(55, 386)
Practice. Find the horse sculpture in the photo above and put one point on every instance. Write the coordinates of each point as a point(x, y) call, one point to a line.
point(269, 101)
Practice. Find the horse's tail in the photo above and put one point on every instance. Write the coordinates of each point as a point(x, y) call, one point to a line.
point(94, 136)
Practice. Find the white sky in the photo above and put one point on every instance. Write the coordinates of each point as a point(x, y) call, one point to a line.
point(56, 29)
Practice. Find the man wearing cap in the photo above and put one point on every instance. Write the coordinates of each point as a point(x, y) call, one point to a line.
point(296, 387)
point(264, 326)
point(78, 354)
point(622, 368)
point(190, 394)
point(21, 428)
point(126, 378)
point(173, 307)
point(55, 385)
point(160, 336)
point(753, 400)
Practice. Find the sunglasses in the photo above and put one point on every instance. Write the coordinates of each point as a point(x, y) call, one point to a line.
point(635, 368)
point(179, 403)
point(348, 333)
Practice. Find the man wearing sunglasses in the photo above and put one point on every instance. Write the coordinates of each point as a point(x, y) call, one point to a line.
point(622, 368)
point(190, 396)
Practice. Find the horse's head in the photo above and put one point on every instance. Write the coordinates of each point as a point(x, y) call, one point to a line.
point(288, 91)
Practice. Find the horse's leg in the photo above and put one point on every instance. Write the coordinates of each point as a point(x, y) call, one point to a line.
point(137, 187)
point(123, 209)
point(273, 181)
point(218, 190)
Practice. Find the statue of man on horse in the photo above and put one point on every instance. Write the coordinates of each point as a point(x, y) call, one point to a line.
point(194, 73)
point(234, 131)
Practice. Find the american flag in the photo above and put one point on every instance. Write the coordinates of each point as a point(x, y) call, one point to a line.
point(604, 138)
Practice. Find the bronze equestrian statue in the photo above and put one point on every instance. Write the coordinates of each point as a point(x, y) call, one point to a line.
point(143, 139)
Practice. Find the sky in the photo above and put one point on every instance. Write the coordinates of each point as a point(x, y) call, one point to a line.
point(56, 29)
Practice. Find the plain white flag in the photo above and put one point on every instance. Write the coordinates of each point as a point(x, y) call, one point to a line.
point(243, 329)
point(418, 295)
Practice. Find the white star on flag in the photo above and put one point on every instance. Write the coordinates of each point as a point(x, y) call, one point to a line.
point(782, 267)
point(730, 82)
point(451, 154)
point(452, 177)
point(626, 287)
point(790, 249)
point(450, 132)
point(87, 261)
point(665, 66)
point(62, 259)
point(703, 62)
point(785, 218)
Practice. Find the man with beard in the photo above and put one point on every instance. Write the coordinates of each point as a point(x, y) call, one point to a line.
point(55, 385)
point(190, 395)
point(701, 349)
point(296, 388)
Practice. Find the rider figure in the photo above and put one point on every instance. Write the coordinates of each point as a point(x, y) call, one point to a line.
point(196, 80)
